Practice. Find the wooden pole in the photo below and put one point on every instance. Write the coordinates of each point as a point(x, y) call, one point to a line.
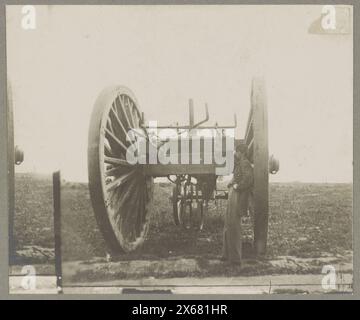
point(11, 173)
point(57, 228)
point(191, 113)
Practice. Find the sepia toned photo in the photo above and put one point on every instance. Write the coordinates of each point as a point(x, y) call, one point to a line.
point(181, 149)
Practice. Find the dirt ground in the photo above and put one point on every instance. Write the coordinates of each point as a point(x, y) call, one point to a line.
point(306, 221)
point(274, 284)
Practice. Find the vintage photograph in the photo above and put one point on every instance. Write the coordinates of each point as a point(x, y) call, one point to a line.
point(181, 149)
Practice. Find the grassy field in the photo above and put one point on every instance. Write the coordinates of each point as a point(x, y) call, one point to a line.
point(34, 224)
point(306, 220)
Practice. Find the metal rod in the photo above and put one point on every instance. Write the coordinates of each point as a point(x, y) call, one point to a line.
point(203, 121)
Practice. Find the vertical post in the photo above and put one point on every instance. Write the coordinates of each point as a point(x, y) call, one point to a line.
point(57, 228)
point(191, 124)
point(11, 172)
point(191, 113)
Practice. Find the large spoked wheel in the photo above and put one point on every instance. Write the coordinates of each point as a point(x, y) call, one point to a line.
point(121, 195)
point(257, 140)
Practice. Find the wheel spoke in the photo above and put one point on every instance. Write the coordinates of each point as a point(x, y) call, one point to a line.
point(117, 161)
point(119, 122)
point(111, 172)
point(107, 150)
point(128, 195)
point(138, 133)
point(120, 180)
point(110, 125)
point(127, 209)
point(251, 145)
point(115, 139)
point(130, 107)
point(136, 116)
point(123, 107)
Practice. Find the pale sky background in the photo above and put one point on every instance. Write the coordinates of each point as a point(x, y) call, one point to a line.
point(168, 54)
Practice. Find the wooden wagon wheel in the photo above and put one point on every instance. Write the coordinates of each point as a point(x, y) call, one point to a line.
point(121, 195)
point(257, 140)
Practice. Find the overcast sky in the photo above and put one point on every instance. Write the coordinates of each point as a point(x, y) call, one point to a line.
point(168, 54)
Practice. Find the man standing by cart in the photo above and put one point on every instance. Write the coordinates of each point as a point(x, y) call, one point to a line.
point(237, 206)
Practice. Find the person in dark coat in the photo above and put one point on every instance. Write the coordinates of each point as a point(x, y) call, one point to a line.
point(237, 206)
